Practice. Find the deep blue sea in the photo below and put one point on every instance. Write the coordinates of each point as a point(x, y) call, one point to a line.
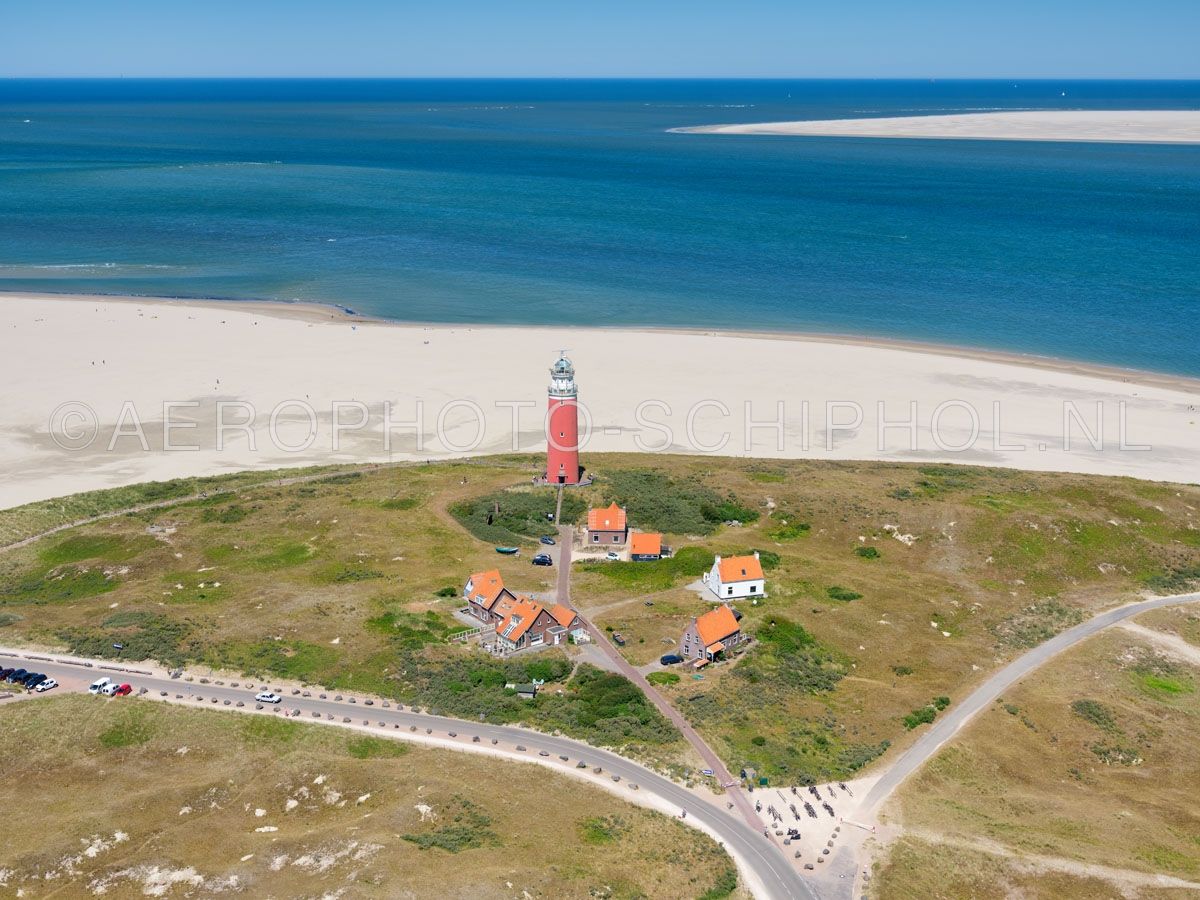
point(570, 202)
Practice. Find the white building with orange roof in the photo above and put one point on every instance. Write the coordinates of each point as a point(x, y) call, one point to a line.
point(710, 635)
point(607, 526)
point(736, 577)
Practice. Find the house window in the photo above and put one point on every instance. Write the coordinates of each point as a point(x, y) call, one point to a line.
point(595, 538)
point(616, 539)
point(753, 588)
point(729, 591)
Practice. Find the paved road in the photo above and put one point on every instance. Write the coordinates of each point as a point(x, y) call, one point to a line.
point(772, 875)
point(619, 664)
point(984, 695)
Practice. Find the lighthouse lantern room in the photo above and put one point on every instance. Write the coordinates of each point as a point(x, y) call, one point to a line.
point(562, 425)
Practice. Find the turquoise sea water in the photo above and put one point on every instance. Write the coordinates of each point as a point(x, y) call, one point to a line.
point(569, 202)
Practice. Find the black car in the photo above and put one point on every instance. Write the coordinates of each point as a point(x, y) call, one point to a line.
point(16, 676)
point(671, 659)
point(4, 673)
point(543, 559)
point(34, 680)
point(547, 540)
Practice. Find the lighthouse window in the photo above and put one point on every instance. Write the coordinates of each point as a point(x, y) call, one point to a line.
point(562, 434)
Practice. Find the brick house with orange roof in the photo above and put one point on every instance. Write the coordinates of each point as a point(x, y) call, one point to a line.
point(710, 635)
point(484, 593)
point(645, 546)
point(527, 623)
point(607, 526)
point(736, 577)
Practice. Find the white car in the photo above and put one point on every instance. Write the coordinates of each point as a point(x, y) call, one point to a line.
point(110, 689)
point(98, 686)
point(48, 685)
point(267, 697)
point(612, 556)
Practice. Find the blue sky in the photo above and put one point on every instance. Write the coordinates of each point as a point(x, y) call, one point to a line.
point(735, 38)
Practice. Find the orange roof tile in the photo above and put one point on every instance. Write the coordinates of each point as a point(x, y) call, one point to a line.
point(716, 625)
point(645, 544)
point(562, 615)
point(611, 518)
point(519, 618)
point(740, 568)
point(486, 587)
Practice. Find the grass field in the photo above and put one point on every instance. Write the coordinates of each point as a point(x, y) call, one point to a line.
point(889, 586)
point(1093, 759)
point(132, 798)
point(918, 868)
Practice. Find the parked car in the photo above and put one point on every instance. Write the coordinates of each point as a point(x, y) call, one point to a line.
point(543, 559)
point(612, 556)
point(110, 689)
point(123, 690)
point(268, 697)
point(99, 684)
point(48, 685)
point(618, 639)
point(4, 673)
point(671, 659)
point(547, 540)
point(34, 680)
point(17, 676)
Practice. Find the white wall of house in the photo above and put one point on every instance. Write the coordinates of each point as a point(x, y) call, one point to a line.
point(734, 590)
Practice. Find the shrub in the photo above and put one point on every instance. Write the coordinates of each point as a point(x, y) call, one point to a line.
point(902, 670)
point(468, 827)
point(1097, 714)
point(656, 501)
point(448, 591)
point(867, 552)
point(788, 529)
point(602, 829)
point(758, 740)
point(226, 515)
point(508, 517)
point(922, 716)
point(941, 702)
point(836, 592)
point(663, 678)
point(786, 656)
point(725, 885)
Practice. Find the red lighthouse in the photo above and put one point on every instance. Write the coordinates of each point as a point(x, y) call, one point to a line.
point(562, 425)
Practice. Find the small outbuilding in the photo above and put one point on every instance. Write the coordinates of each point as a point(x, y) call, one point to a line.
point(645, 546)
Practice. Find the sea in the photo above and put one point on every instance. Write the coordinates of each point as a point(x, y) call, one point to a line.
point(571, 202)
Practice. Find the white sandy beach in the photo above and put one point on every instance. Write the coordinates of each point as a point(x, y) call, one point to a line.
point(76, 366)
point(1120, 126)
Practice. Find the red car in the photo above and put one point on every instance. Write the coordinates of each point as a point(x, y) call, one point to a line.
point(123, 690)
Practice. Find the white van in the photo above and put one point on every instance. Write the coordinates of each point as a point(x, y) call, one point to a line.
point(98, 686)
point(110, 689)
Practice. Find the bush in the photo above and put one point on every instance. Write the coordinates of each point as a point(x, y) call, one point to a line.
point(468, 828)
point(658, 502)
point(902, 670)
point(726, 884)
point(758, 740)
point(941, 703)
point(866, 552)
point(1097, 714)
point(787, 656)
point(922, 716)
point(836, 592)
point(509, 517)
point(663, 678)
point(788, 529)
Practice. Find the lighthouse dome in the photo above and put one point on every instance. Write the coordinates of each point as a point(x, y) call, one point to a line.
point(563, 368)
